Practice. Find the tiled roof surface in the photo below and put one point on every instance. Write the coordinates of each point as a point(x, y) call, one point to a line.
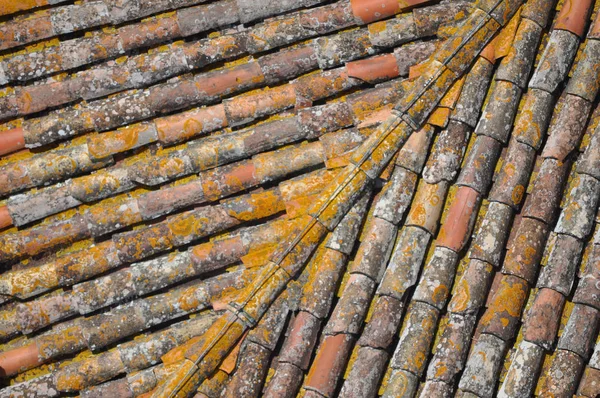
point(352, 198)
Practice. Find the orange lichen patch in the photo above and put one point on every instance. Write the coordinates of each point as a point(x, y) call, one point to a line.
point(506, 304)
point(12, 6)
point(229, 363)
point(449, 100)
point(503, 41)
point(329, 208)
point(11, 140)
point(106, 144)
point(573, 16)
point(307, 185)
point(300, 206)
point(189, 124)
point(339, 161)
point(418, 69)
point(31, 279)
point(439, 117)
point(259, 205)
point(366, 107)
point(258, 258)
point(427, 205)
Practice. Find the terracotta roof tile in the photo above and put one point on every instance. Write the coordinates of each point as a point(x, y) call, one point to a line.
point(563, 374)
point(573, 16)
point(161, 178)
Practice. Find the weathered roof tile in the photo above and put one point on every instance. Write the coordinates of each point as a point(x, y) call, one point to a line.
point(127, 241)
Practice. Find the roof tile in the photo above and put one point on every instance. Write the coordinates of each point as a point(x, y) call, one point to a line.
point(480, 164)
point(543, 319)
point(416, 338)
point(578, 335)
point(559, 272)
point(483, 366)
point(363, 379)
point(573, 16)
point(488, 244)
point(402, 384)
point(590, 382)
point(403, 269)
point(447, 152)
point(457, 227)
point(329, 363)
point(521, 378)
point(563, 374)
point(513, 178)
point(437, 277)
point(450, 354)
point(516, 66)
point(503, 314)
point(544, 199)
point(144, 269)
point(570, 122)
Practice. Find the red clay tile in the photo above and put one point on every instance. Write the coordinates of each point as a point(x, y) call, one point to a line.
point(573, 16)
point(253, 366)
point(483, 366)
point(327, 18)
point(11, 140)
point(416, 338)
point(522, 375)
point(329, 363)
point(302, 338)
point(175, 128)
point(489, 53)
point(5, 218)
point(567, 127)
point(374, 69)
point(526, 249)
point(437, 277)
point(373, 10)
point(12, 361)
point(543, 201)
point(480, 164)
point(456, 230)
point(452, 348)
point(472, 288)
point(543, 319)
point(287, 64)
point(538, 11)
point(384, 323)
point(511, 183)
